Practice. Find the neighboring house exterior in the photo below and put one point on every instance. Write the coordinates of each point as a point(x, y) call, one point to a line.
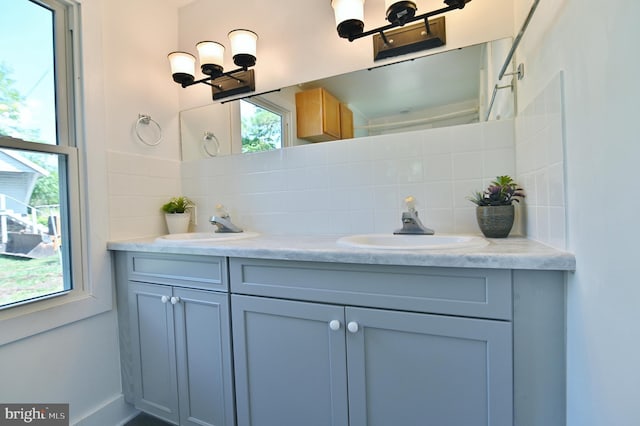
point(18, 177)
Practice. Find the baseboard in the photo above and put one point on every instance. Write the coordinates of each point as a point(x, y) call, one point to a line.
point(114, 412)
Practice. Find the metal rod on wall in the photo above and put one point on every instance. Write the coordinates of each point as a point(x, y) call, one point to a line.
point(516, 42)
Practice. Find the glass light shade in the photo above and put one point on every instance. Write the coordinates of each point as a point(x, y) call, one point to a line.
point(211, 56)
point(346, 10)
point(243, 47)
point(183, 66)
point(210, 52)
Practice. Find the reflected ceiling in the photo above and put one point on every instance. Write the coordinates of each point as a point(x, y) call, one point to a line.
point(451, 78)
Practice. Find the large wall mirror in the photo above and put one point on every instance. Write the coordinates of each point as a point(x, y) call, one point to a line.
point(444, 89)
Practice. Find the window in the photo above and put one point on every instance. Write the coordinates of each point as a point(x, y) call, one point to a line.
point(263, 125)
point(39, 174)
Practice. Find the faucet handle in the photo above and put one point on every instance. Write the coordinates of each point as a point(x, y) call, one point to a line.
point(410, 202)
point(221, 211)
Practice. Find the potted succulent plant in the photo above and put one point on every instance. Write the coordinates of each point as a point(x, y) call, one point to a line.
point(177, 214)
point(495, 210)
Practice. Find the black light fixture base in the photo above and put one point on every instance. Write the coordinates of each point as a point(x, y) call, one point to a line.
point(244, 60)
point(457, 3)
point(400, 12)
point(183, 78)
point(211, 69)
point(350, 28)
point(409, 39)
point(233, 84)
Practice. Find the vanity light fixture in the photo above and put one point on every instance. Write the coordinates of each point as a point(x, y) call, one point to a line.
point(349, 16)
point(211, 56)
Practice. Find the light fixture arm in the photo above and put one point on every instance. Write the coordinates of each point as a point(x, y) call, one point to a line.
point(424, 16)
point(210, 78)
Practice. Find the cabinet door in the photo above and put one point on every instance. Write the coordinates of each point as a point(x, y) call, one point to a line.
point(203, 352)
point(153, 349)
point(418, 369)
point(331, 115)
point(290, 364)
point(317, 115)
point(346, 122)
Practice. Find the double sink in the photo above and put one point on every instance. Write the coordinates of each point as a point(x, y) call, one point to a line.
point(365, 241)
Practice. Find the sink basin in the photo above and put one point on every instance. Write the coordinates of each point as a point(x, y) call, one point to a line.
point(412, 242)
point(204, 237)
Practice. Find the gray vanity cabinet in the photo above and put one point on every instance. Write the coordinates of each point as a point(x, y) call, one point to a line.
point(179, 343)
point(290, 367)
point(419, 369)
point(300, 362)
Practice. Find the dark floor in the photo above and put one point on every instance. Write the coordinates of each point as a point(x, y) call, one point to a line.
point(146, 420)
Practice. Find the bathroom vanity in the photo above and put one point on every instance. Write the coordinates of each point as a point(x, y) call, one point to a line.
point(302, 331)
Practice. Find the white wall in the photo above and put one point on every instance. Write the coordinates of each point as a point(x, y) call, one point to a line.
point(298, 41)
point(138, 36)
point(595, 45)
point(124, 49)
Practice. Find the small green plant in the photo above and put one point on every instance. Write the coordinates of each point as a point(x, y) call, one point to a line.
point(502, 192)
point(177, 205)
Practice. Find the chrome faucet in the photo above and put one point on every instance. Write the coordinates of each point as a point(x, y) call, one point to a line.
point(222, 221)
point(411, 223)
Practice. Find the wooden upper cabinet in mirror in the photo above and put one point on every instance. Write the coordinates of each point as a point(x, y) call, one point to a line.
point(321, 117)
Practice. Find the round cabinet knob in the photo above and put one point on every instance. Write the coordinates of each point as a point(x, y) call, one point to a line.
point(174, 300)
point(334, 325)
point(353, 327)
point(164, 299)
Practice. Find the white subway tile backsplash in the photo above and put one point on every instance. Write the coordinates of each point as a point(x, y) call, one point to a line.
point(498, 162)
point(466, 188)
point(498, 134)
point(540, 165)
point(437, 141)
point(542, 187)
point(555, 185)
point(465, 220)
point(441, 220)
point(353, 186)
point(386, 196)
point(438, 167)
point(361, 221)
point(557, 227)
point(468, 165)
point(438, 195)
point(468, 137)
point(410, 170)
point(339, 200)
point(386, 220)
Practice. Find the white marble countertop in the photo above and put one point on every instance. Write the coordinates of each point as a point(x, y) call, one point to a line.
point(502, 253)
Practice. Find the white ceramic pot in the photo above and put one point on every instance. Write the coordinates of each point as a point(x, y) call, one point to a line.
point(178, 223)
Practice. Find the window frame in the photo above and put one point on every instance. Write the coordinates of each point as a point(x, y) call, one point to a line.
point(236, 121)
point(91, 294)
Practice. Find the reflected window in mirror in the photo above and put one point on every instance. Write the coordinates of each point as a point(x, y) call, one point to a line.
point(263, 125)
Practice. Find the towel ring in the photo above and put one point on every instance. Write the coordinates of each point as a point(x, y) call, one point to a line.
point(211, 139)
point(146, 120)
